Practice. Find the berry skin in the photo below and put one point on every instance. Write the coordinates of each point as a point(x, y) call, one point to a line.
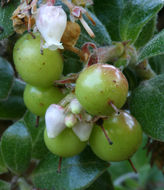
point(98, 86)
point(125, 133)
point(38, 99)
point(66, 144)
point(34, 68)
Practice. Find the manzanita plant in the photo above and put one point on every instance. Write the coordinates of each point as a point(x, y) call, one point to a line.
point(81, 91)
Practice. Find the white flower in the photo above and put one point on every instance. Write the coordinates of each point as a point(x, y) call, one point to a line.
point(83, 130)
point(54, 119)
point(51, 22)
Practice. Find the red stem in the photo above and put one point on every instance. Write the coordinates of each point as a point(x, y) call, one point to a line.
point(132, 165)
point(106, 135)
point(59, 165)
point(51, 2)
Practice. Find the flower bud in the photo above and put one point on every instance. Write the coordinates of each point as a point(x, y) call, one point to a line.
point(75, 106)
point(70, 120)
point(54, 119)
point(51, 22)
point(83, 130)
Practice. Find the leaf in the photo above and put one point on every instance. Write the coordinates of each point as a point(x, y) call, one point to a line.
point(147, 105)
point(13, 107)
point(4, 185)
point(102, 37)
point(5, 21)
point(109, 13)
point(154, 47)
point(72, 63)
point(135, 15)
point(3, 168)
point(16, 147)
point(146, 33)
point(77, 173)
point(6, 78)
point(103, 182)
point(157, 64)
point(39, 149)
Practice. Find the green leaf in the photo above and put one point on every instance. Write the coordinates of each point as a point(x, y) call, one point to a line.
point(3, 168)
point(102, 37)
point(157, 64)
point(5, 21)
point(135, 15)
point(13, 107)
point(4, 185)
point(39, 149)
point(147, 105)
point(109, 13)
point(6, 78)
point(146, 33)
point(104, 182)
point(154, 47)
point(72, 63)
point(77, 173)
point(16, 147)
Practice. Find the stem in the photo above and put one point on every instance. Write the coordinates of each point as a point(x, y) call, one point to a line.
point(114, 107)
point(37, 121)
point(132, 165)
point(106, 135)
point(51, 2)
point(87, 28)
point(59, 165)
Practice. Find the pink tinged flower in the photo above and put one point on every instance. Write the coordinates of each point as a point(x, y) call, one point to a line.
point(54, 119)
point(83, 130)
point(51, 22)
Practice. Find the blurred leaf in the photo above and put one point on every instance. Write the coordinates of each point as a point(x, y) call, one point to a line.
point(154, 47)
point(147, 105)
point(146, 33)
point(39, 149)
point(23, 185)
point(77, 173)
point(109, 13)
point(4, 185)
point(16, 147)
point(3, 168)
point(72, 63)
point(13, 107)
point(135, 15)
point(104, 182)
point(5, 21)
point(102, 37)
point(6, 78)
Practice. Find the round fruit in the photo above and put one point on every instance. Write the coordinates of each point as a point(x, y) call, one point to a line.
point(100, 85)
point(125, 133)
point(66, 144)
point(38, 99)
point(35, 68)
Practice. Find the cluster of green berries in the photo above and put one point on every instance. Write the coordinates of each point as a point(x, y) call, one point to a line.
point(91, 116)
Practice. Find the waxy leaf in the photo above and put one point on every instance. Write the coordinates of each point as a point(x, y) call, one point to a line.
point(154, 47)
point(6, 26)
point(147, 105)
point(135, 15)
point(4, 185)
point(6, 78)
point(104, 182)
point(39, 149)
point(13, 107)
point(3, 168)
point(16, 147)
point(109, 13)
point(77, 173)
